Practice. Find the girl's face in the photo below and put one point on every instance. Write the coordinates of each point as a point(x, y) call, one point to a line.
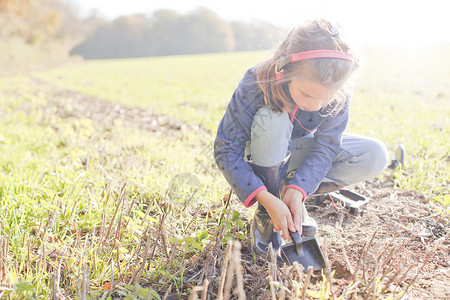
point(311, 95)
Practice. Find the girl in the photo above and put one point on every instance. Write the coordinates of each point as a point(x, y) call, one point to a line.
point(282, 137)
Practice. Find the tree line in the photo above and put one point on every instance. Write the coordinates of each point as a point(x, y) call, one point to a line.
point(37, 34)
point(167, 32)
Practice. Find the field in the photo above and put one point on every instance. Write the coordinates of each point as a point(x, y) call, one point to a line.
point(108, 187)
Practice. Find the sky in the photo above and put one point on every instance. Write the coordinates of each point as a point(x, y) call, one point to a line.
point(369, 22)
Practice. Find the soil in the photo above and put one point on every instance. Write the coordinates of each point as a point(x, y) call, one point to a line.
point(399, 233)
point(78, 105)
point(398, 221)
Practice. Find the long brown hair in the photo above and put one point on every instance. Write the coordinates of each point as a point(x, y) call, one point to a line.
point(319, 34)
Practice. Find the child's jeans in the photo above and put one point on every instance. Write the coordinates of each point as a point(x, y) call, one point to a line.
point(360, 158)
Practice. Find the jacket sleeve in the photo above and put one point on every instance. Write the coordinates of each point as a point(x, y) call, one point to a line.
point(233, 132)
point(327, 142)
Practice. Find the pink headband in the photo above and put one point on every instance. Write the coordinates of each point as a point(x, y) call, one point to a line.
point(308, 55)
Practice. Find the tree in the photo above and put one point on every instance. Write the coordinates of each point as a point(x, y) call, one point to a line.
point(36, 34)
point(203, 31)
point(255, 35)
point(167, 32)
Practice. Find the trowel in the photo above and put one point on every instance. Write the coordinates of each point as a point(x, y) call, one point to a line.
point(305, 251)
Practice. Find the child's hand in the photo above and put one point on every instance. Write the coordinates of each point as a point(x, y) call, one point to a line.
point(279, 213)
point(294, 201)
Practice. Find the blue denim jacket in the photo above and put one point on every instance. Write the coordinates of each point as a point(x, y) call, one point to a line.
point(235, 130)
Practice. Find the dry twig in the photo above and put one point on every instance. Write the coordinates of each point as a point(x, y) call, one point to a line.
point(236, 259)
point(210, 250)
point(344, 251)
point(226, 261)
point(362, 258)
point(232, 266)
point(307, 280)
point(328, 267)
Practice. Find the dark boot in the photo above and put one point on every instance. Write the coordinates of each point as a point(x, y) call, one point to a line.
point(323, 190)
point(328, 187)
point(261, 230)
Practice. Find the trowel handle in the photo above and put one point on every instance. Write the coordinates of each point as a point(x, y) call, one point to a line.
point(297, 241)
point(295, 236)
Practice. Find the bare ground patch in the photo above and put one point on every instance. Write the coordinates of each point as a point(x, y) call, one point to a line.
point(68, 103)
point(407, 233)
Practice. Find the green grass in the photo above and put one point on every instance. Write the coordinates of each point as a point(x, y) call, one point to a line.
point(64, 178)
point(194, 88)
point(402, 97)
